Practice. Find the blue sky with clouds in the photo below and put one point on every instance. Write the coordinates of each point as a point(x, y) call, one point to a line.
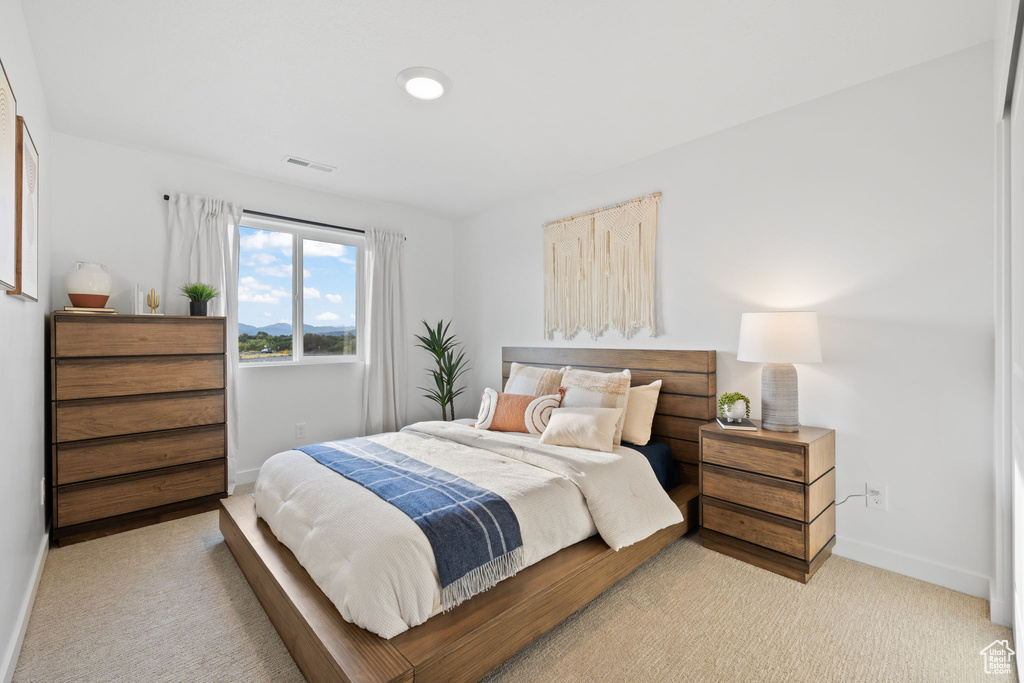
point(265, 280)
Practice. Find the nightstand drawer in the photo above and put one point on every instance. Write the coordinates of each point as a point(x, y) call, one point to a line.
point(777, 496)
point(775, 460)
point(788, 536)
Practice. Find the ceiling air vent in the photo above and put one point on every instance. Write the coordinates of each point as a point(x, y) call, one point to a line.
point(305, 163)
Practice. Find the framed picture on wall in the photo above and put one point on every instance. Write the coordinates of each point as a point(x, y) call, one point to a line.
point(26, 213)
point(8, 147)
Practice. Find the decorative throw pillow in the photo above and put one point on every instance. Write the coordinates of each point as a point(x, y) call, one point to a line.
point(503, 412)
point(587, 389)
point(533, 381)
point(643, 401)
point(592, 428)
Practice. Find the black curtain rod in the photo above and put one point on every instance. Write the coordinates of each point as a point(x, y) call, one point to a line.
point(294, 220)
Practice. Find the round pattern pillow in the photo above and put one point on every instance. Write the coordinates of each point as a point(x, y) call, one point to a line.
point(500, 412)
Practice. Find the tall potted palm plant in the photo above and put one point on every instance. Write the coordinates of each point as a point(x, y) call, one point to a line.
point(450, 364)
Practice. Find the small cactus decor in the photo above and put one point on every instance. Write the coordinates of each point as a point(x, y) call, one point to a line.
point(153, 301)
point(728, 408)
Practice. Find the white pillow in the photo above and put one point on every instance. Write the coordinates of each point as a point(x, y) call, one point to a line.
point(592, 428)
point(589, 389)
point(643, 401)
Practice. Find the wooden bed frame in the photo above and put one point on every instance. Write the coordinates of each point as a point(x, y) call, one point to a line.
point(478, 635)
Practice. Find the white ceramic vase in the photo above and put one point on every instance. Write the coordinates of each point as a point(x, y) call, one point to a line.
point(88, 285)
point(737, 411)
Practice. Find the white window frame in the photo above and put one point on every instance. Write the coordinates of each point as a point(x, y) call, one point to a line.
point(299, 232)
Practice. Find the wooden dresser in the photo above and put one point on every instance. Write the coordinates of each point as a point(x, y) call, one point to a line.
point(138, 412)
point(768, 498)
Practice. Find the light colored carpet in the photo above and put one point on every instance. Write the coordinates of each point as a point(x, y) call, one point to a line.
point(168, 603)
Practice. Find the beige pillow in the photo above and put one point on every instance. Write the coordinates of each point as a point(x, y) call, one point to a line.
point(533, 381)
point(588, 389)
point(643, 401)
point(592, 428)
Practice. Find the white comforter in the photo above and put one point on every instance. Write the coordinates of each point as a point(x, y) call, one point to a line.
point(376, 565)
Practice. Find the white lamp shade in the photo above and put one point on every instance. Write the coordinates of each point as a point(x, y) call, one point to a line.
point(779, 337)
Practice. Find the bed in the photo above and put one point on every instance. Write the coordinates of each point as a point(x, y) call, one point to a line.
point(474, 637)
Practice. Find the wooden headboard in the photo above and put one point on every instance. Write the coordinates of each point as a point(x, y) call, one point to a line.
point(688, 388)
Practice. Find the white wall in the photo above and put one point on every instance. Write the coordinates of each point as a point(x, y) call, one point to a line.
point(24, 411)
point(111, 210)
point(873, 206)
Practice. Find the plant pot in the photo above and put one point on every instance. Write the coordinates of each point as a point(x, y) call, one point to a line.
point(737, 411)
point(88, 285)
point(198, 308)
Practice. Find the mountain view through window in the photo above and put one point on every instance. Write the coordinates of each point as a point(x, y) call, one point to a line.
point(268, 261)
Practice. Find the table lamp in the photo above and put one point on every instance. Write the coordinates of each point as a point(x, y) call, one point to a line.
point(778, 340)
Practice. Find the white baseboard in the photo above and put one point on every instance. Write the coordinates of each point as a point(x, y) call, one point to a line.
point(913, 566)
point(246, 476)
point(999, 612)
point(10, 660)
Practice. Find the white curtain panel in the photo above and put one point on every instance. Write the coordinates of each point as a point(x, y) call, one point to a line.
point(385, 346)
point(202, 246)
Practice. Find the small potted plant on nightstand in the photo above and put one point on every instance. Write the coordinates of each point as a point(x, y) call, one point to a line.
point(199, 296)
point(733, 406)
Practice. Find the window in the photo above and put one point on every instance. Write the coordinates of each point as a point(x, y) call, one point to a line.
point(288, 273)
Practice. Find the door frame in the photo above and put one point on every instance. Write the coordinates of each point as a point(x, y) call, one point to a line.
point(1002, 596)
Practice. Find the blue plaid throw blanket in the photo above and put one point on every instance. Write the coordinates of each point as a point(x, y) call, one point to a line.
point(473, 532)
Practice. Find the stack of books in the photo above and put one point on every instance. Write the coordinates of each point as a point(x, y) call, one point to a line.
point(740, 425)
point(79, 309)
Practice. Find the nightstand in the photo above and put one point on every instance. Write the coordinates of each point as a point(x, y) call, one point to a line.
point(768, 498)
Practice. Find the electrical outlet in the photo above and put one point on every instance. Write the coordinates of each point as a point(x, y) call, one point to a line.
point(877, 496)
point(300, 430)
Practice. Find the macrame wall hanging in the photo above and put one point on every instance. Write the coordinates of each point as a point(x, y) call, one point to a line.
point(599, 270)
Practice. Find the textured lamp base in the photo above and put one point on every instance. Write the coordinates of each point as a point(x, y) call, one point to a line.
point(779, 402)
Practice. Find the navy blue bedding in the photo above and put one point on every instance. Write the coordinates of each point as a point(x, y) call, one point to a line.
point(660, 457)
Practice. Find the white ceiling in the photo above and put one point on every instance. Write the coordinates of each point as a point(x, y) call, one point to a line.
point(544, 91)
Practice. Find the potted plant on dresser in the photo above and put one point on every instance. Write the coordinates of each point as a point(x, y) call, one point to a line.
point(199, 297)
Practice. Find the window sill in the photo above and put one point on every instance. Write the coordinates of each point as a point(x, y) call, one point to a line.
point(305, 362)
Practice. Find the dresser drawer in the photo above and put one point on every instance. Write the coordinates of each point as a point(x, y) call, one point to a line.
point(84, 460)
point(103, 417)
point(777, 496)
point(79, 503)
point(124, 376)
point(80, 336)
point(775, 460)
point(781, 534)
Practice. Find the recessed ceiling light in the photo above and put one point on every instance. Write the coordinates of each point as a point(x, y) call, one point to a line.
point(423, 83)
